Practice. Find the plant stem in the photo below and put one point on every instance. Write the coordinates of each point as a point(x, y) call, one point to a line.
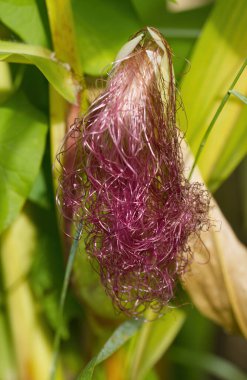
point(64, 291)
point(216, 115)
point(65, 46)
point(63, 34)
point(64, 40)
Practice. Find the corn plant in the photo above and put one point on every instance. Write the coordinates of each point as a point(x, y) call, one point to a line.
point(64, 314)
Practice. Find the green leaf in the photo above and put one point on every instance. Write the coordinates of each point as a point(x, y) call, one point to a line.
point(211, 364)
point(218, 56)
point(118, 338)
point(102, 27)
point(22, 140)
point(152, 341)
point(155, 12)
point(239, 96)
point(57, 73)
point(27, 19)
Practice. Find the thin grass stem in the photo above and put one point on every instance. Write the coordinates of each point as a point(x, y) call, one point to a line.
point(64, 291)
point(216, 115)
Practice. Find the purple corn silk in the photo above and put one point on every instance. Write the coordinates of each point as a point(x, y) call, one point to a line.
point(126, 183)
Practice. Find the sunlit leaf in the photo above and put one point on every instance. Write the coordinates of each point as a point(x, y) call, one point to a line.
point(22, 139)
point(102, 28)
point(57, 73)
point(234, 150)
point(26, 19)
point(32, 344)
point(6, 84)
point(219, 54)
point(118, 338)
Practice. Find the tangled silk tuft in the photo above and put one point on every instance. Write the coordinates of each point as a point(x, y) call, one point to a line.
point(125, 180)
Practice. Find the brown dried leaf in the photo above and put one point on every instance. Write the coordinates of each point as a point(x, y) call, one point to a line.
point(216, 281)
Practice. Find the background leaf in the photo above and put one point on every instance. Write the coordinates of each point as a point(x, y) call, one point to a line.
point(211, 364)
point(27, 18)
point(32, 343)
point(22, 140)
point(219, 54)
point(102, 28)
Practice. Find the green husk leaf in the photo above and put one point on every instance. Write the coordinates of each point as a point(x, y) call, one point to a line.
point(59, 74)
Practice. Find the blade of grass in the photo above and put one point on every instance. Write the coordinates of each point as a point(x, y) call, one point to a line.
point(68, 270)
point(124, 332)
point(217, 114)
point(65, 45)
point(217, 56)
